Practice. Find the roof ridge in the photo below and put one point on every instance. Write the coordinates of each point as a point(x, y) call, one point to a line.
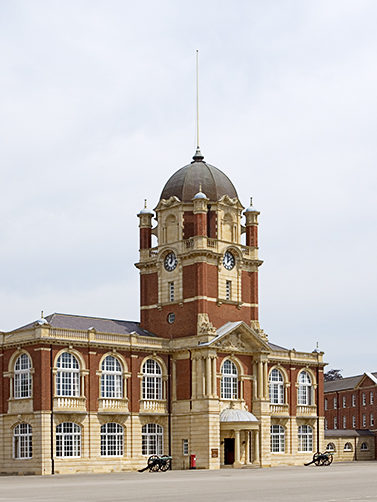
point(92, 317)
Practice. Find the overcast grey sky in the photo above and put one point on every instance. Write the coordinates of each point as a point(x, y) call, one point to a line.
point(97, 111)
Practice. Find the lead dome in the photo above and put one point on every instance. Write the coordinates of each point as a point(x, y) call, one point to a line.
point(184, 183)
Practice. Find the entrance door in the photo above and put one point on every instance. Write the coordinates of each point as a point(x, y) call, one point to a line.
point(228, 451)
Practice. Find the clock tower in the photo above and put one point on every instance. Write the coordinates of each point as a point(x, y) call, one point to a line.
point(199, 274)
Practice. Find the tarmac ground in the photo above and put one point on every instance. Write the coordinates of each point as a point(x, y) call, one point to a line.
point(341, 482)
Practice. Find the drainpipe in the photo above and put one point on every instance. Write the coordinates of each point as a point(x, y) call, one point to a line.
point(317, 406)
point(169, 402)
point(52, 414)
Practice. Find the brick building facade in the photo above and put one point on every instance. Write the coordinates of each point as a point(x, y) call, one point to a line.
point(197, 375)
point(351, 412)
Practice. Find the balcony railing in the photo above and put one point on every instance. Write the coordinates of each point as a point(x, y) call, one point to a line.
point(107, 405)
point(70, 404)
point(306, 411)
point(153, 406)
point(279, 409)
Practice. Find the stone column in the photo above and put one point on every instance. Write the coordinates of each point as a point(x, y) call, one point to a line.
point(265, 380)
point(260, 380)
point(237, 452)
point(247, 448)
point(194, 377)
point(256, 458)
point(199, 379)
point(174, 380)
point(214, 377)
point(208, 376)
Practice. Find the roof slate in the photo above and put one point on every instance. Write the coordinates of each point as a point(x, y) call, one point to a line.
point(83, 323)
point(335, 433)
point(345, 383)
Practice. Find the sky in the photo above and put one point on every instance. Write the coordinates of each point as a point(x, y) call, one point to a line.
point(98, 110)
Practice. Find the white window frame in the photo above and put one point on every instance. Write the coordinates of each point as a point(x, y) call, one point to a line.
point(364, 420)
point(326, 424)
point(152, 439)
point(371, 420)
point(228, 290)
point(364, 399)
point(364, 446)
point(229, 380)
point(353, 422)
point(152, 380)
point(68, 440)
point(67, 376)
point(330, 447)
point(348, 447)
point(111, 378)
point(277, 439)
point(112, 440)
point(335, 403)
point(185, 447)
point(344, 400)
point(305, 392)
point(371, 397)
point(305, 439)
point(344, 422)
point(353, 400)
point(22, 441)
point(276, 387)
point(22, 377)
point(171, 291)
point(335, 422)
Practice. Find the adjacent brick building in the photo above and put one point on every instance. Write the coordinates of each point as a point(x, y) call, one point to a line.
point(197, 375)
point(351, 412)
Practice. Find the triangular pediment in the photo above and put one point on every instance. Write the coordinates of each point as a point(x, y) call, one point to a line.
point(367, 380)
point(238, 337)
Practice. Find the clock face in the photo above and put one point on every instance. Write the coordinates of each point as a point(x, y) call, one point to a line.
point(170, 261)
point(229, 261)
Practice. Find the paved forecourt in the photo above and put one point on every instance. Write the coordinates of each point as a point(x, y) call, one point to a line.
point(348, 482)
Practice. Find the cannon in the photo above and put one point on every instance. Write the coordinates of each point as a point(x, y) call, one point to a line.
point(158, 463)
point(319, 458)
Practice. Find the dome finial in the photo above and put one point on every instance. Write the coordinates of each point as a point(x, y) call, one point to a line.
point(251, 201)
point(145, 203)
point(200, 187)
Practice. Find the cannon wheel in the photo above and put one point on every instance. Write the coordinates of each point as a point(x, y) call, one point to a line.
point(165, 465)
point(154, 463)
point(317, 458)
point(328, 460)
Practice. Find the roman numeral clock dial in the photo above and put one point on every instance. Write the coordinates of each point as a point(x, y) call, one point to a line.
point(229, 261)
point(170, 261)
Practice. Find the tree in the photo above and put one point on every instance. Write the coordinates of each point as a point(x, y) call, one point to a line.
point(332, 375)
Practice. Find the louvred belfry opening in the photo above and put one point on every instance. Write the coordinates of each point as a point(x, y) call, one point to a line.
point(200, 268)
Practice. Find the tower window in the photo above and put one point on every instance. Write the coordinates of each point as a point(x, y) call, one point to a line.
point(228, 290)
point(171, 291)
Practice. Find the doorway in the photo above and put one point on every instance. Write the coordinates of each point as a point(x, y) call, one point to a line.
point(228, 451)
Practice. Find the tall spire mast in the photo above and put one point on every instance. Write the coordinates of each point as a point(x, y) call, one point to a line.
point(197, 100)
point(198, 156)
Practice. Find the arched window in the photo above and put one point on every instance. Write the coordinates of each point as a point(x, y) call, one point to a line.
point(330, 447)
point(229, 380)
point(277, 439)
point(276, 387)
point(348, 447)
point(68, 440)
point(111, 378)
point(22, 377)
point(152, 380)
point(304, 389)
point(364, 447)
point(305, 438)
point(112, 439)
point(68, 376)
point(152, 439)
point(22, 441)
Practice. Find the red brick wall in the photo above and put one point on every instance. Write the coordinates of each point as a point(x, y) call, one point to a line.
point(188, 224)
point(252, 236)
point(145, 238)
point(148, 289)
point(183, 378)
